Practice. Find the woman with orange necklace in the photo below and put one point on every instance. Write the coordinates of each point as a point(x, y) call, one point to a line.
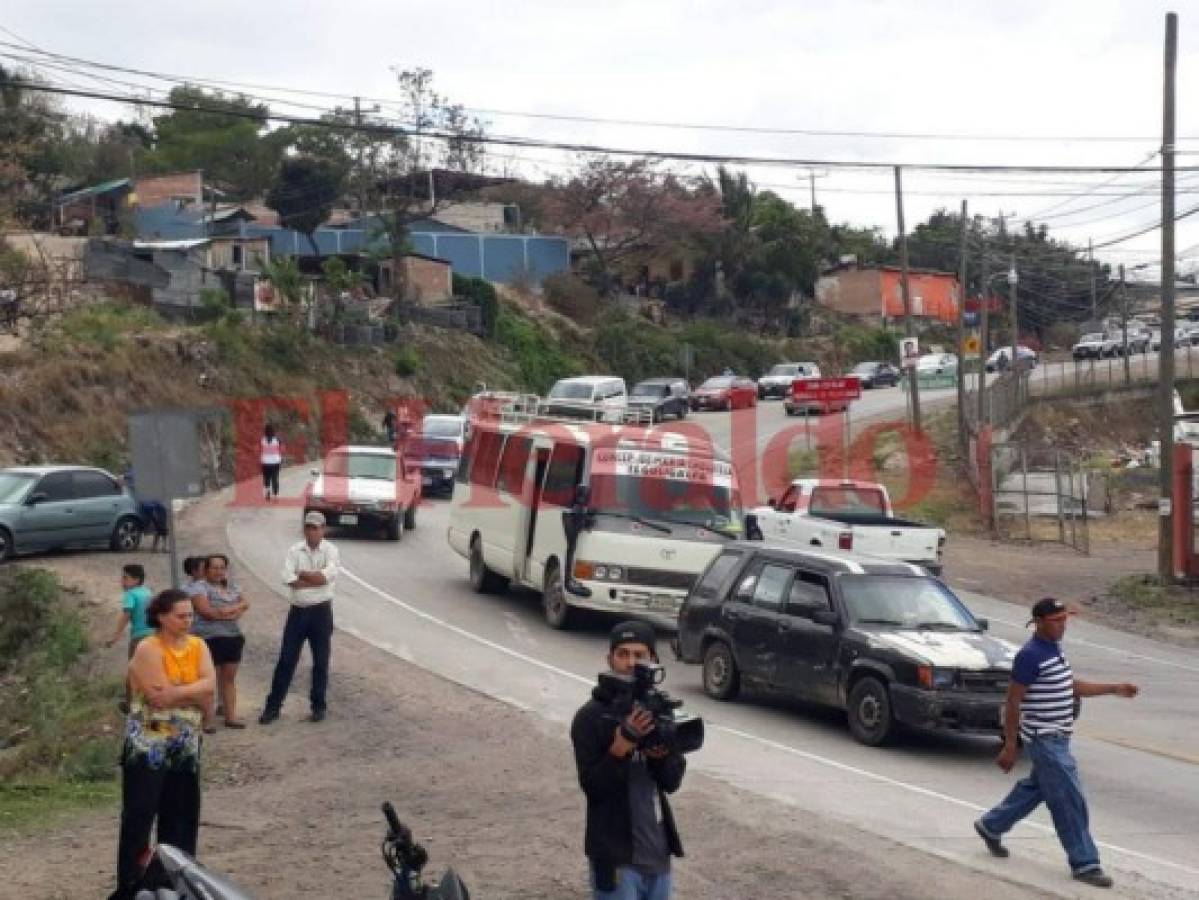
point(172, 680)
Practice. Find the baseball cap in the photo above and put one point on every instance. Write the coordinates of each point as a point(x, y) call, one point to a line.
point(1048, 607)
point(632, 633)
point(314, 518)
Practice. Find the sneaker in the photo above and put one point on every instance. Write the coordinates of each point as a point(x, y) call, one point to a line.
point(268, 716)
point(318, 715)
point(1095, 878)
point(994, 844)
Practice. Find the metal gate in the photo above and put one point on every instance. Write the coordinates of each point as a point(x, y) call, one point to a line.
point(1039, 494)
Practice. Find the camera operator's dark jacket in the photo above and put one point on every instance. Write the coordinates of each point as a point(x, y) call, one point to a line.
point(605, 781)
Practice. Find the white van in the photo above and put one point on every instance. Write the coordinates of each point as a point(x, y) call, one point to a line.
point(651, 506)
point(600, 398)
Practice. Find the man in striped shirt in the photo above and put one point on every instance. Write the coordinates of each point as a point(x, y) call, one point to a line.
point(1040, 707)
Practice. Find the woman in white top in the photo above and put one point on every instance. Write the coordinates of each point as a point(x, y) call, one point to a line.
point(271, 457)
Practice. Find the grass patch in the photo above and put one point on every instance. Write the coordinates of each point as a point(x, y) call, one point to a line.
point(539, 357)
point(1171, 604)
point(40, 802)
point(59, 728)
point(106, 325)
point(406, 361)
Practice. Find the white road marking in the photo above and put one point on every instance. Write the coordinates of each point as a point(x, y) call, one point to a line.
point(745, 735)
point(1082, 642)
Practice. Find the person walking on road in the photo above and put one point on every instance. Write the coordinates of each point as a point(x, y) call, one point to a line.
point(219, 606)
point(1040, 708)
point(310, 570)
point(172, 679)
point(270, 456)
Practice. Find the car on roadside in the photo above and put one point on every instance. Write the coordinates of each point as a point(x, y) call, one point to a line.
point(937, 364)
point(48, 507)
point(591, 397)
point(1138, 341)
point(725, 392)
point(1096, 346)
point(885, 641)
point(1180, 339)
point(436, 449)
point(777, 382)
point(876, 374)
point(663, 397)
point(1026, 355)
point(366, 487)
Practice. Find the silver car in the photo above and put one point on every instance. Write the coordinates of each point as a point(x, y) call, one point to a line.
point(46, 507)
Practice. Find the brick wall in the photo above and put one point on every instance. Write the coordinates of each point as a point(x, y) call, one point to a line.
point(159, 190)
point(428, 281)
point(857, 292)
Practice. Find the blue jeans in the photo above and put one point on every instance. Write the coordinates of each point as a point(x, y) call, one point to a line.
point(1054, 779)
point(634, 885)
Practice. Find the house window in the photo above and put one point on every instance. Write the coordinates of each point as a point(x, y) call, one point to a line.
point(238, 256)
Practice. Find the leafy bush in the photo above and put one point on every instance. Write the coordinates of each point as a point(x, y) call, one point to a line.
point(106, 324)
point(636, 349)
point(407, 362)
point(286, 346)
point(539, 357)
point(28, 600)
point(214, 304)
point(481, 293)
point(572, 297)
point(867, 344)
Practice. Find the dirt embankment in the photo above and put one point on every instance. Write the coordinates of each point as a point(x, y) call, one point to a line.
point(292, 810)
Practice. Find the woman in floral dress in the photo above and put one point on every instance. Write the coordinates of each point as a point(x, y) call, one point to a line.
point(172, 679)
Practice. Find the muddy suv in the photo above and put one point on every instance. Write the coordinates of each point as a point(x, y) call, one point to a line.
point(885, 641)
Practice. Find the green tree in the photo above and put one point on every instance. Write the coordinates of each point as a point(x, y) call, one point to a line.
point(224, 136)
point(303, 195)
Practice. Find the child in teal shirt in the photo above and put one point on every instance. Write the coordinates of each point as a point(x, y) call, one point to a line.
point(133, 607)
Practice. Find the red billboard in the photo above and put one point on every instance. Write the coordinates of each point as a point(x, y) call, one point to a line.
point(827, 389)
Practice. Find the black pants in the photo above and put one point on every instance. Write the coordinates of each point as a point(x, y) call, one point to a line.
point(313, 624)
point(270, 478)
point(173, 798)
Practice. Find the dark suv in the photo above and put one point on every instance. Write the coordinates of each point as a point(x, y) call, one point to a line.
point(662, 397)
point(885, 641)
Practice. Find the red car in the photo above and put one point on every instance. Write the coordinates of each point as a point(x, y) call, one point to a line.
point(725, 392)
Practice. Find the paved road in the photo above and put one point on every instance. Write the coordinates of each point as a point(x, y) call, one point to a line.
point(1139, 758)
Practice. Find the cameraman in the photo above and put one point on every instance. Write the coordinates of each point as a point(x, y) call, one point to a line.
point(627, 843)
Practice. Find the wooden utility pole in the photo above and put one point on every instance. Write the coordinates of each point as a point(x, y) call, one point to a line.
point(985, 304)
point(908, 327)
point(812, 185)
point(963, 437)
point(1165, 398)
point(1091, 269)
point(1011, 286)
point(1124, 327)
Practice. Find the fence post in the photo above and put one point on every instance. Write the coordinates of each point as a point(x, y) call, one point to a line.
point(1024, 475)
point(1057, 490)
point(1086, 531)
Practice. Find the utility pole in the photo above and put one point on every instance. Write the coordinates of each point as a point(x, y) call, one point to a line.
point(1091, 269)
point(963, 439)
point(1165, 376)
point(1124, 326)
point(358, 139)
point(812, 186)
point(1012, 276)
point(909, 330)
point(984, 343)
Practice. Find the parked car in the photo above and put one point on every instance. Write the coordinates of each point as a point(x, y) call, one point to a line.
point(366, 487)
point(1180, 339)
point(777, 382)
point(885, 641)
point(603, 397)
point(851, 516)
point(937, 364)
point(436, 449)
point(794, 406)
point(47, 507)
point(1096, 346)
point(725, 392)
point(662, 397)
point(1138, 341)
point(1026, 355)
point(876, 374)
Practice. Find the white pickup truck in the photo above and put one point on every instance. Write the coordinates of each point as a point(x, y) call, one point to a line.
point(854, 516)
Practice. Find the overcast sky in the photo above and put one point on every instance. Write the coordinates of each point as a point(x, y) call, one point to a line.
point(971, 67)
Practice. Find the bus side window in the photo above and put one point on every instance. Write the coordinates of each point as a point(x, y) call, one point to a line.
point(468, 456)
point(512, 465)
point(564, 473)
point(487, 458)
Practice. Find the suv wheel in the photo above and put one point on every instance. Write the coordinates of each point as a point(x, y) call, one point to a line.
point(870, 718)
point(410, 516)
point(6, 548)
point(395, 528)
point(126, 535)
point(482, 579)
point(721, 678)
point(553, 599)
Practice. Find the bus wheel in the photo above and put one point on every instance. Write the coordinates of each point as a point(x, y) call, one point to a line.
point(482, 579)
point(553, 599)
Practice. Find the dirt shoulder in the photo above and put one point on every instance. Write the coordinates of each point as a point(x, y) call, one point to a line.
point(292, 810)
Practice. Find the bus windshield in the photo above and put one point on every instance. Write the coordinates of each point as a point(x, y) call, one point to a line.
point(669, 501)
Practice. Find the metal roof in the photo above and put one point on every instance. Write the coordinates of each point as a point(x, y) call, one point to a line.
point(186, 244)
point(104, 187)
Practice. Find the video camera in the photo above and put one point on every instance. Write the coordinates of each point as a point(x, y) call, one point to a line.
point(673, 729)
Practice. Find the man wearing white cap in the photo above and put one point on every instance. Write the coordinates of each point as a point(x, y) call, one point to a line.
point(310, 570)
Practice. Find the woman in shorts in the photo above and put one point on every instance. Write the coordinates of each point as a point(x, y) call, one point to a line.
point(217, 612)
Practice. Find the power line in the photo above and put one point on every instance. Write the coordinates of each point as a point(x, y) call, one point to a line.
point(512, 141)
